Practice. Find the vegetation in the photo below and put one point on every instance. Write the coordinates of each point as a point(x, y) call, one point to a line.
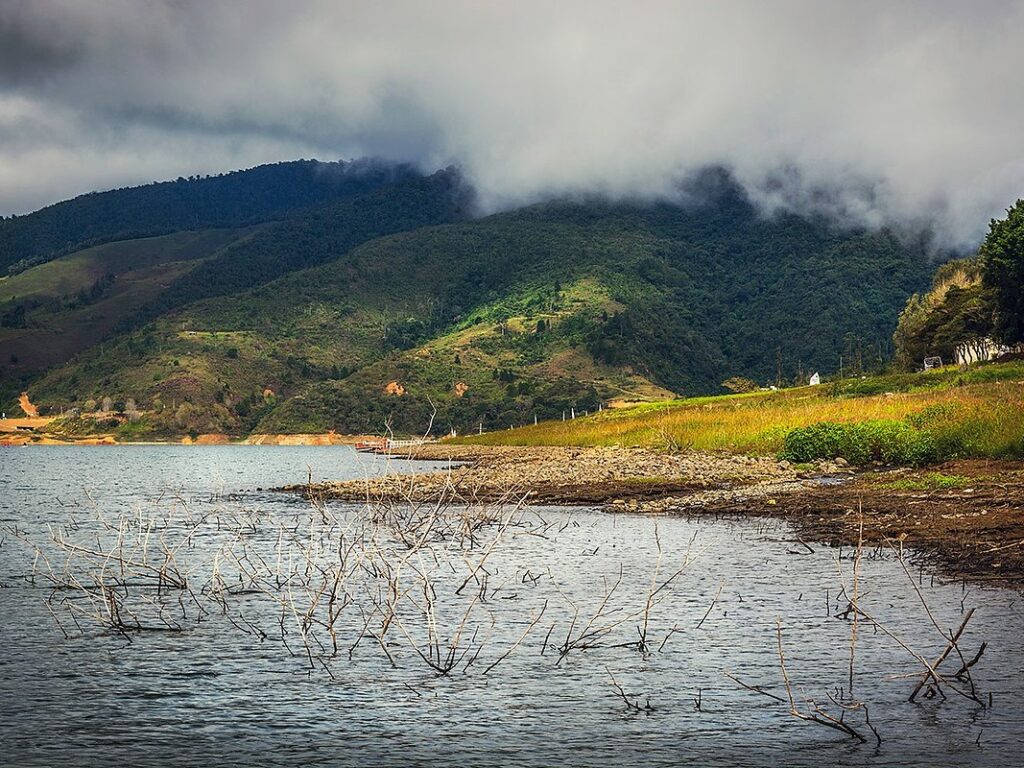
point(950, 415)
point(1003, 254)
point(956, 309)
point(560, 307)
point(259, 194)
point(971, 299)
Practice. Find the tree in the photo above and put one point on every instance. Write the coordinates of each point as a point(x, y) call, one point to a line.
point(1003, 272)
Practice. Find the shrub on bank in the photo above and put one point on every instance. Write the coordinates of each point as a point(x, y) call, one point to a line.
point(886, 440)
point(939, 432)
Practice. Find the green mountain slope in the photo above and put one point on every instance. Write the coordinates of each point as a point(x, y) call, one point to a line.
point(259, 194)
point(323, 234)
point(503, 318)
point(52, 311)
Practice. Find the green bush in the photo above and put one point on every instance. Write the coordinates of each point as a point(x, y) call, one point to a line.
point(889, 441)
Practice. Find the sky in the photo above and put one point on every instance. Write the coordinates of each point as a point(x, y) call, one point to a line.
point(882, 113)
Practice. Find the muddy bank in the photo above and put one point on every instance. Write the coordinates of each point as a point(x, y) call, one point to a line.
point(974, 529)
point(968, 516)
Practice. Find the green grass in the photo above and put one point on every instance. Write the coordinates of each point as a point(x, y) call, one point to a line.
point(932, 481)
point(975, 413)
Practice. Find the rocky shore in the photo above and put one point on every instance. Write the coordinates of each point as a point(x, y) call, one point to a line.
point(968, 516)
point(626, 477)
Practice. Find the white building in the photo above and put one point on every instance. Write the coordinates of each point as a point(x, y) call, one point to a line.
point(981, 350)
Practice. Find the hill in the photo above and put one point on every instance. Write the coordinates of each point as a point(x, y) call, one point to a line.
point(241, 198)
point(52, 311)
point(499, 320)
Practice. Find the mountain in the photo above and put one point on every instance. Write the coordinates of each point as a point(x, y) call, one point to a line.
point(393, 308)
point(237, 199)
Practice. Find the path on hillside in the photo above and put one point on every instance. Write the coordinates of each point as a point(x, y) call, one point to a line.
point(26, 405)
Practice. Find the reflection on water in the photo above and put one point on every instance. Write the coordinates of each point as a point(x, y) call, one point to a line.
point(247, 681)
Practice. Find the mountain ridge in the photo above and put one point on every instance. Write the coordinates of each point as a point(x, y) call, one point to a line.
point(305, 324)
point(239, 198)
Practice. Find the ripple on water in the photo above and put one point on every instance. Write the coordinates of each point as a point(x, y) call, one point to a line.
point(213, 694)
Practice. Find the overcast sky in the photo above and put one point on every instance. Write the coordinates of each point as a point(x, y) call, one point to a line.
point(882, 111)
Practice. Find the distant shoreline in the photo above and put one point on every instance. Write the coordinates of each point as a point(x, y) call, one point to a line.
point(29, 431)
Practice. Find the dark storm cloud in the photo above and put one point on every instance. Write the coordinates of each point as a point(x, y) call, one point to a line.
point(877, 112)
point(31, 50)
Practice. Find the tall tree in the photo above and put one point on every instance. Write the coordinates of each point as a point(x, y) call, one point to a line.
point(1003, 272)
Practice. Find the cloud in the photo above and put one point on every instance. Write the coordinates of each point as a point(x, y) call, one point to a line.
point(878, 112)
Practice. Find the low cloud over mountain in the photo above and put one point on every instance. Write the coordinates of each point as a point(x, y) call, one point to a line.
point(876, 111)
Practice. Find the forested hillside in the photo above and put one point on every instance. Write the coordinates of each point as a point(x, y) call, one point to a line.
point(325, 233)
point(319, 322)
point(236, 199)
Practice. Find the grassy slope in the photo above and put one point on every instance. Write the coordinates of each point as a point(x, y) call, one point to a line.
point(496, 368)
point(986, 403)
point(56, 328)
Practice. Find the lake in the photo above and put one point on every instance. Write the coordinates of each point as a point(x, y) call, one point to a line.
point(161, 607)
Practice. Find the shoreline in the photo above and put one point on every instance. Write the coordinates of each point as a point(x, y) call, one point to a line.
point(27, 432)
point(965, 516)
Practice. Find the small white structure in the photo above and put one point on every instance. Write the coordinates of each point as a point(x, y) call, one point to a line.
point(932, 362)
point(815, 379)
point(981, 350)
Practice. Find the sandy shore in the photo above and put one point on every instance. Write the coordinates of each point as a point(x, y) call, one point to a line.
point(974, 530)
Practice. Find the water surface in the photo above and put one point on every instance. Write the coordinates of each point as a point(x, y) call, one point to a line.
point(238, 688)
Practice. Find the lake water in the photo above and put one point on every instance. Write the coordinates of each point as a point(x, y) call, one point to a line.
point(537, 613)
